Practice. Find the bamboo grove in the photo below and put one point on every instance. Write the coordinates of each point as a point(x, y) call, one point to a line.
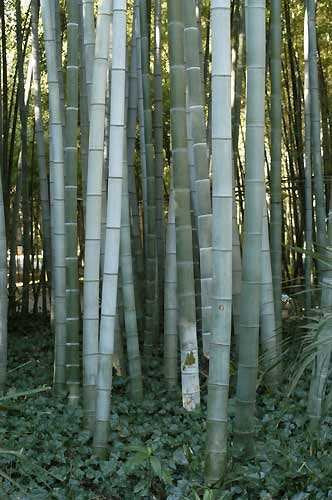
point(165, 172)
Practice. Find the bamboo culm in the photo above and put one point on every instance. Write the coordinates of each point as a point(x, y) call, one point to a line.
point(184, 246)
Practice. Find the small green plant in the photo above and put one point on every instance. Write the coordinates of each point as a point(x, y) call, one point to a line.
point(154, 471)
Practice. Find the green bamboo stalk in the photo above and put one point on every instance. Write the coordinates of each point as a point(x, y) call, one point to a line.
point(170, 302)
point(237, 84)
point(198, 16)
point(193, 216)
point(322, 359)
point(129, 299)
point(119, 362)
point(15, 208)
point(89, 45)
point(252, 238)
point(93, 211)
point(307, 165)
point(222, 202)
point(112, 244)
point(276, 216)
point(40, 142)
point(159, 152)
point(13, 238)
point(57, 198)
point(58, 41)
point(3, 294)
point(106, 162)
point(128, 294)
point(83, 111)
point(133, 202)
point(72, 285)
point(200, 150)
point(184, 247)
point(25, 166)
point(317, 167)
point(140, 109)
point(236, 275)
point(269, 334)
point(150, 246)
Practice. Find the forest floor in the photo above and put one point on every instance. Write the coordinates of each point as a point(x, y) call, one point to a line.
point(156, 448)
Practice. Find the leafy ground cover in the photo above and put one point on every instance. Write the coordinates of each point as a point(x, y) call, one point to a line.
point(156, 449)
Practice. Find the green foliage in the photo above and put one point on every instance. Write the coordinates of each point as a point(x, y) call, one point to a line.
point(156, 448)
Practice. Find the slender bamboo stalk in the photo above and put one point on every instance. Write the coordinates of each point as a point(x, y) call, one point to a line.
point(140, 107)
point(151, 245)
point(106, 160)
point(237, 84)
point(57, 11)
point(269, 335)
point(322, 359)
point(5, 110)
point(89, 45)
point(159, 160)
point(170, 302)
point(184, 247)
point(93, 211)
point(222, 203)
point(57, 197)
point(128, 293)
point(13, 239)
point(41, 153)
point(319, 190)
point(133, 201)
point(3, 294)
point(193, 216)
point(112, 245)
point(251, 270)
point(15, 208)
point(83, 111)
point(200, 150)
point(119, 362)
point(25, 167)
point(72, 285)
point(275, 71)
point(307, 164)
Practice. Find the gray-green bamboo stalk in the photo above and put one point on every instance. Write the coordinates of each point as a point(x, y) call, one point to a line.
point(133, 201)
point(276, 215)
point(254, 190)
point(269, 335)
point(57, 198)
point(307, 166)
point(159, 152)
point(322, 359)
point(3, 295)
point(170, 302)
point(112, 244)
point(15, 208)
point(72, 285)
point(58, 40)
point(88, 26)
point(201, 161)
point(40, 142)
point(319, 190)
point(83, 111)
point(222, 204)
point(128, 294)
point(24, 159)
point(140, 110)
point(237, 84)
point(150, 248)
point(93, 211)
point(184, 246)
